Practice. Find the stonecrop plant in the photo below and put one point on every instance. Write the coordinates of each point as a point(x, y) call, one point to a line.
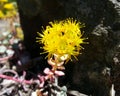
point(7, 9)
point(61, 40)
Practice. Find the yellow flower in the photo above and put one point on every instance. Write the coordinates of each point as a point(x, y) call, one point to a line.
point(9, 6)
point(1, 14)
point(3, 0)
point(62, 38)
point(19, 33)
point(7, 9)
point(10, 13)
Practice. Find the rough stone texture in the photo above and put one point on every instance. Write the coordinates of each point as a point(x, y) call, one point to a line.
point(102, 20)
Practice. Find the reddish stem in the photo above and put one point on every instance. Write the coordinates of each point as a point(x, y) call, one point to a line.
point(16, 79)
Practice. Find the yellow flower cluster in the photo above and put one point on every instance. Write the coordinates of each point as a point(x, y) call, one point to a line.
point(3, 0)
point(7, 9)
point(62, 38)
